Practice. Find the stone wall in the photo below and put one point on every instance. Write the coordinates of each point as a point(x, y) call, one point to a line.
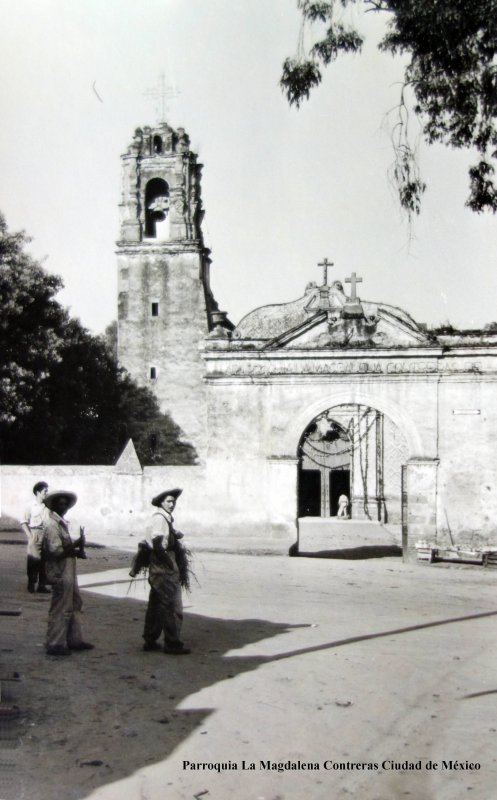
point(220, 503)
point(467, 487)
point(247, 488)
point(171, 277)
point(108, 501)
point(444, 406)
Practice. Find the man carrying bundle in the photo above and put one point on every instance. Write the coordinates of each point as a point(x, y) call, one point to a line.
point(168, 572)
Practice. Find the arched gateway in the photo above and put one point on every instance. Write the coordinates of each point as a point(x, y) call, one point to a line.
point(356, 451)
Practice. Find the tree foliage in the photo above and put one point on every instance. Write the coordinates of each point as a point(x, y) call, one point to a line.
point(63, 397)
point(451, 47)
point(31, 326)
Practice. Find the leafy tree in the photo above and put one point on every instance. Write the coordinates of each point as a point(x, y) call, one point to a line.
point(451, 71)
point(156, 436)
point(31, 327)
point(110, 338)
point(64, 399)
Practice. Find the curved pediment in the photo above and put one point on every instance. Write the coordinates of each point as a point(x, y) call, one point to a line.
point(325, 317)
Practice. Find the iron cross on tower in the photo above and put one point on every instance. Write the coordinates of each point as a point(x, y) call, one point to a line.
point(162, 93)
point(353, 280)
point(325, 264)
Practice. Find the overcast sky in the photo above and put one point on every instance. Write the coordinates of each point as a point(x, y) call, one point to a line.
point(281, 188)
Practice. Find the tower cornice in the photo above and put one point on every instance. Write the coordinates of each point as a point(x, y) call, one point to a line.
point(146, 248)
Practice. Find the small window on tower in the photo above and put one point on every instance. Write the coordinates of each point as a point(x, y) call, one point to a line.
point(154, 442)
point(157, 144)
point(155, 309)
point(153, 373)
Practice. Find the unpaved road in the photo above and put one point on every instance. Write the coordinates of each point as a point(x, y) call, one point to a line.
point(323, 662)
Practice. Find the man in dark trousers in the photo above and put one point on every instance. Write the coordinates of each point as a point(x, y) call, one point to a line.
point(168, 572)
point(32, 525)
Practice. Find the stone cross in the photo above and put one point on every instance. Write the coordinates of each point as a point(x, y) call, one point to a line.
point(162, 94)
point(325, 264)
point(353, 280)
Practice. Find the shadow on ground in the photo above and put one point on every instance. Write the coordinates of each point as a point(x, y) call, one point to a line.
point(97, 717)
point(131, 698)
point(354, 553)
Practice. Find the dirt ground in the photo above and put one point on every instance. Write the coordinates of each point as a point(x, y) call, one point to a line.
point(333, 678)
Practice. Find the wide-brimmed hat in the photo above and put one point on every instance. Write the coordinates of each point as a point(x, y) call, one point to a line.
point(53, 496)
point(168, 493)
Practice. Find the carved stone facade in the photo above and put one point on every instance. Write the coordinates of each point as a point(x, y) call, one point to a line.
point(325, 401)
point(305, 400)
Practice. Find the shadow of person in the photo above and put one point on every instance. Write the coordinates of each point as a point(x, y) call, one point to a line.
point(98, 717)
point(115, 709)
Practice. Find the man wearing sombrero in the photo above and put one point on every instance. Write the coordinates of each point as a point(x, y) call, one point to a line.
point(168, 572)
point(64, 625)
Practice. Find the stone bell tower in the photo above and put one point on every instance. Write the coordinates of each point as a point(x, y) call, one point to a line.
point(165, 305)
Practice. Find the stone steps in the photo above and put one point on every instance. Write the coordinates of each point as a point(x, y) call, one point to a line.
point(328, 534)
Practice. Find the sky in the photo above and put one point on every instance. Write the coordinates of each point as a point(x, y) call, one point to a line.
point(282, 188)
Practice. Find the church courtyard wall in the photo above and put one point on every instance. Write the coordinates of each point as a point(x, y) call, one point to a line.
point(444, 406)
point(467, 479)
point(256, 414)
point(109, 501)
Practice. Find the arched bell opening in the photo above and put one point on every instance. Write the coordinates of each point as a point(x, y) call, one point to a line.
point(157, 209)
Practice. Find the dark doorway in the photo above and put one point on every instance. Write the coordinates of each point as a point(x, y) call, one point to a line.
point(339, 484)
point(309, 493)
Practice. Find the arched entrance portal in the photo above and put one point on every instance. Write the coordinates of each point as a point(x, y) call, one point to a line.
point(352, 450)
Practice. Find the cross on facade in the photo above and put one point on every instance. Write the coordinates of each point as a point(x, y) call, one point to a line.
point(325, 264)
point(353, 280)
point(162, 93)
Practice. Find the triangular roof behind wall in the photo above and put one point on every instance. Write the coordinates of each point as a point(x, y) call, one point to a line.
point(128, 462)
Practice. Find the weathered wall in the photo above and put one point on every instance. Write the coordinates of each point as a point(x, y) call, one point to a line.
point(108, 501)
point(467, 481)
point(217, 503)
point(268, 414)
point(259, 404)
point(248, 485)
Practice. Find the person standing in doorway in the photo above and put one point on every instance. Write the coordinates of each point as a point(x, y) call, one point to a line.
point(32, 525)
point(343, 506)
point(168, 572)
point(64, 617)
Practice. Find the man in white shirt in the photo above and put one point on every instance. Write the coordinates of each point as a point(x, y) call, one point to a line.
point(32, 525)
point(168, 572)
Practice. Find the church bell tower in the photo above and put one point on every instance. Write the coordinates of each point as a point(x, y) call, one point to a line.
point(165, 306)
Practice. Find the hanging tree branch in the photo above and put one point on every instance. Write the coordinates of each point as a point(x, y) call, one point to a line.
point(452, 71)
